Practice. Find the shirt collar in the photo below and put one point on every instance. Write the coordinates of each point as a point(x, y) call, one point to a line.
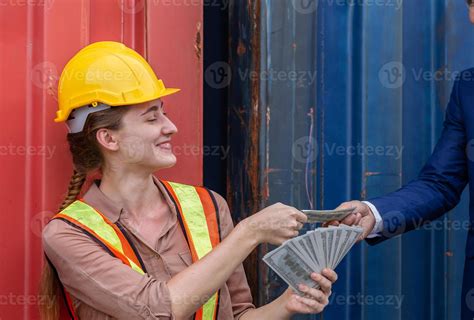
point(99, 201)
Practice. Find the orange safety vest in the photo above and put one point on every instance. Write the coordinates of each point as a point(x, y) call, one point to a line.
point(198, 217)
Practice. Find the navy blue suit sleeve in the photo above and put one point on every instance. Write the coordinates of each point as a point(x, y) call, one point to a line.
point(439, 185)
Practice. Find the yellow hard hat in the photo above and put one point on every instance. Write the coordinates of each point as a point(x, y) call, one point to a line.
point(107, 73)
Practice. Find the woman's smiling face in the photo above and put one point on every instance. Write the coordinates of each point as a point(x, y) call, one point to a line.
point(144, 138)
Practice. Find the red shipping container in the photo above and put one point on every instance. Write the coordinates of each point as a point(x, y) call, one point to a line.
point(37, 37)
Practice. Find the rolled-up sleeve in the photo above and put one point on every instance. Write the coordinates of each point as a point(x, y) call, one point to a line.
point(93, 276)
point(240, 294)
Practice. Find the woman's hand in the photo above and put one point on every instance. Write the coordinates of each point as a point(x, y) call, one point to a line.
point(290, 303)
point(275, 224)
point(314, 300)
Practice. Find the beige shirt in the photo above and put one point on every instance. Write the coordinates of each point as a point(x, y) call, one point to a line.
point(102, 287)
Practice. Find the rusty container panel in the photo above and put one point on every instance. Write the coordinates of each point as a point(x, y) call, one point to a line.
point(347, 102)
point(36, 40)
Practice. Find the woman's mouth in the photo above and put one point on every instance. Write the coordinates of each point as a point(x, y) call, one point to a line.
point(165, 146)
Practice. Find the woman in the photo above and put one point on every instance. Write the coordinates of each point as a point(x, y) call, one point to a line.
point(127, 248)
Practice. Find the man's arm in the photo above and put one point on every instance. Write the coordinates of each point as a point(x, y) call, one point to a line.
point(436, 190)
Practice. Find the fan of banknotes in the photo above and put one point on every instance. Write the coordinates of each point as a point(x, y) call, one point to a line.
point(327, 215)
point(321, 248)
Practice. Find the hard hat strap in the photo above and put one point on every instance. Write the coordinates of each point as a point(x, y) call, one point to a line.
point(78, 116)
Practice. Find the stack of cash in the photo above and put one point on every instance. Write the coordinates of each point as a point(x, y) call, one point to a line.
point(297, 258)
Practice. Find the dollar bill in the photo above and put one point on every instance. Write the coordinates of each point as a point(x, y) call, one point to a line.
point(327, 215)
point(290, 267)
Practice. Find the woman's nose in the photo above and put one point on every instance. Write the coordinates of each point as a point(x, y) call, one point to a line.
point(169, 128)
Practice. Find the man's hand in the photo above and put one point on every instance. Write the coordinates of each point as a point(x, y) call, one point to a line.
point(361, 216)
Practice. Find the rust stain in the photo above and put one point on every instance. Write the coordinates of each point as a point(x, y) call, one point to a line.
point(372, 173)
point(254, 123)
point(241, 49)
point(271, 170)
point(252, 156)
point(197, 41)
point(244, 185)
point(367, 174)
point(266, 187)
point(239, 113)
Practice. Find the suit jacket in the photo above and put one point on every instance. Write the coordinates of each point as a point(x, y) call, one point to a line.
point(440, 183)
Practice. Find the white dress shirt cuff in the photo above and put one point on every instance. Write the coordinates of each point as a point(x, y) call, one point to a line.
point(378, 227)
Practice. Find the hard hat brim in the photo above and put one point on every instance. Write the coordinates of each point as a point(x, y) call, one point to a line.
point(164, 93)
point(168, 91)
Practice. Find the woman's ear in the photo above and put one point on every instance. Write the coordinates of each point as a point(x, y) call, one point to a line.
point(107, 139)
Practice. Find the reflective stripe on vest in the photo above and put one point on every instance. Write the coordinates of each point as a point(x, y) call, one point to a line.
point(96, 224)
point(199, 216)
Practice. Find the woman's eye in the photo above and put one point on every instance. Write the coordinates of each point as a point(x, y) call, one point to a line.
point(151, 120)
